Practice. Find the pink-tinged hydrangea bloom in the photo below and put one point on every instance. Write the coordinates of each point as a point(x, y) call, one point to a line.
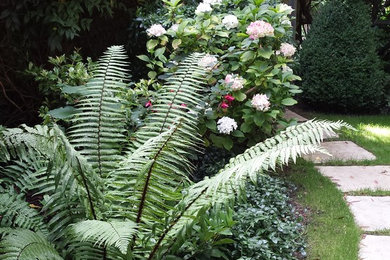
point(212, 2)
point(259, 29)
point(234, 82)
point(230, 21)
point(260, 102)
point(287, 49)
point(156, 30)
point(208, 61)
point(226, 125)
point(203, 8)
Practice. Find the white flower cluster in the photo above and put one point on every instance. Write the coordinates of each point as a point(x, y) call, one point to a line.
point(174, 27)
point(226, 125)
point(156, 30)
point(286, 68)
point(287, 49)
point(235, 82)
point(212, 2)
point(208, 61)
point(203, 8)
point(230, 21)
point(285, 8)
point(260, 102)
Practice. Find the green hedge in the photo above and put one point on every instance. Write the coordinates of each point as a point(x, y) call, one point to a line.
point(340, 68)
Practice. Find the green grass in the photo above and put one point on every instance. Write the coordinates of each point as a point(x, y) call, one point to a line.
point(373, 133)
point(368, 192)
point(331, 232)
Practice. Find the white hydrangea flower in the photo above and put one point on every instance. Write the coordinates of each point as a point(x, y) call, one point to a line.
point(226, 125)
point(285, 8)
point(208, 61)
point(156, 30)
point(260, 102)
point(236, 82)
point(203, 8)
point(286, 68)
point(286, 21)
point(287, 49)
point(212, 2)
point(230, 21)
point(174, 27)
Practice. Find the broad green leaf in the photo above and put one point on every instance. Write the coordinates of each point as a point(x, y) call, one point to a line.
point(151, 44)
point(143, 57)
point(246, 56)
point(289, 101)
point(265, 52)
point(176, 43)
point(63, 112)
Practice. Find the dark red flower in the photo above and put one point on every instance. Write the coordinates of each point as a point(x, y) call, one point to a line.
point(148, 104)
point(224, 105)
point(229, 98)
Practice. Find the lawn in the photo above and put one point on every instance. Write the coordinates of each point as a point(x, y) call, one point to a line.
point(373, 133)
point(331, 231)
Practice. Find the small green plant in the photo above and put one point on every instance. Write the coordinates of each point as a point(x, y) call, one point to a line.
point(266, 225)
point(66, 71)
point(339, 65)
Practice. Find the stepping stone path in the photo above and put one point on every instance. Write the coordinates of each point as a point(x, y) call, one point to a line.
point(371, 213)
point(342, 151)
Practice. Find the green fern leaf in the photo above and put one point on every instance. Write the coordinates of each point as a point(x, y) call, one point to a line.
point(114, 233)
point(23, 244)
point(98, 124)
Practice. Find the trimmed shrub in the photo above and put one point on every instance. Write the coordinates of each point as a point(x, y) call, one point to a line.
point(340, 68)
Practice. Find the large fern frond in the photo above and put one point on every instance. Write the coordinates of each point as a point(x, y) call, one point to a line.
point(114, 233)
point(149, 182)
point(178, 98)
point(15, 212)
point(24, 244)
point(67, 183)
point(98, 125)
point(227, 184)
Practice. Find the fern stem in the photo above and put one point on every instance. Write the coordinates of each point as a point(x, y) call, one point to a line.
point(88, 191)
point(173, 223)
point(100, 115)
point(148, 177)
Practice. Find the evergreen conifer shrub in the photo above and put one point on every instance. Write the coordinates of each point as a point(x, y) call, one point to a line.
point(340, 68)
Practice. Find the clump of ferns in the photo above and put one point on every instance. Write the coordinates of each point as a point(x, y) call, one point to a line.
point(104, 197)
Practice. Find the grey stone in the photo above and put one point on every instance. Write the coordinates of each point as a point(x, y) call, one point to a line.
point(371, 213)
point(375, 248)
point(331, 136)
point(354, 178)
point(288, 114)
point(340, 150)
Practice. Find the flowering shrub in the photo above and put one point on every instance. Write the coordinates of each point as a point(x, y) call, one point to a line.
point(248, 52)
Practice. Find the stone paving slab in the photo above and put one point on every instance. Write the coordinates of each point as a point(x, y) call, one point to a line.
point(375, 248)
point(292, 115)
point(341, 150)
point(371, 213)
point(354, 178)
point(331, 136)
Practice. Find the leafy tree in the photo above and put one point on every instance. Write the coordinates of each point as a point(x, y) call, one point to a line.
point(102, 195)
point(340, 68)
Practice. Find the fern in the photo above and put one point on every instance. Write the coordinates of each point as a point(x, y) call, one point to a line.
point(177, 99)
point(99, 123)
point(115, 233)
point(15, 212)
point(23, 244)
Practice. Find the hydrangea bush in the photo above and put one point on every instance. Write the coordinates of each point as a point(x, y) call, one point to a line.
point(249, 49)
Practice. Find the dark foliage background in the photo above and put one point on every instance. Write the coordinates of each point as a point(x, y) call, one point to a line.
point(341, 70)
